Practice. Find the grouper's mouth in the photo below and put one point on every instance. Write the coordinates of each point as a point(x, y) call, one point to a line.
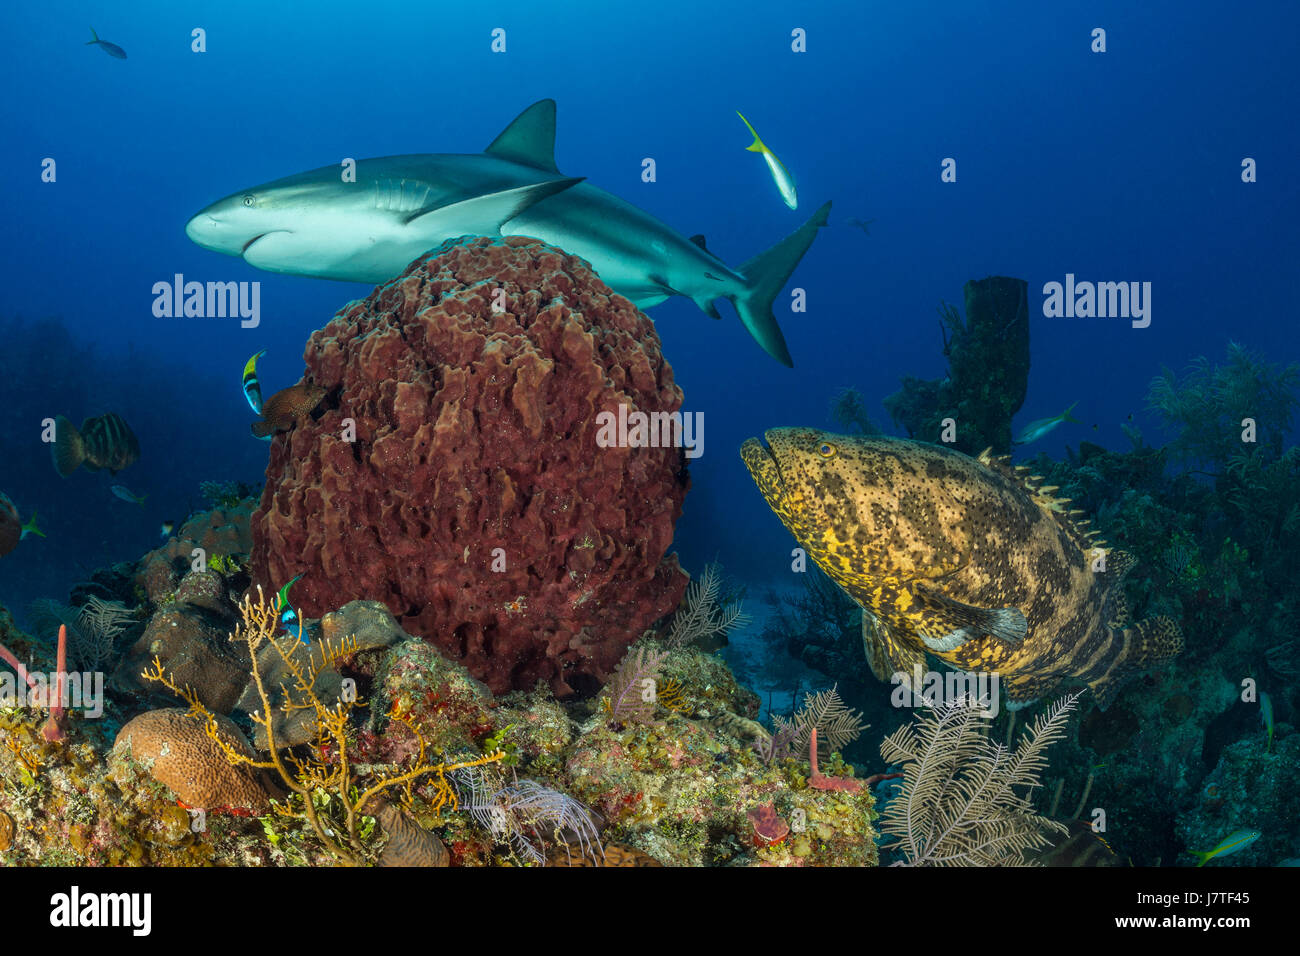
point(757, 455)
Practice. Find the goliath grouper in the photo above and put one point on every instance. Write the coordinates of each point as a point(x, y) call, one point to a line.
point(961, 558)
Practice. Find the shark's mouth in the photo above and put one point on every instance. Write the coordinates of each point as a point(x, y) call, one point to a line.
point(261, 235)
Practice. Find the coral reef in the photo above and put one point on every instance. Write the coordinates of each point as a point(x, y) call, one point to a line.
point(454, 471)
point(988, 363)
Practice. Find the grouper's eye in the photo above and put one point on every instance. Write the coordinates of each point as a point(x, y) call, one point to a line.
point(250, 201)
point(826, 450)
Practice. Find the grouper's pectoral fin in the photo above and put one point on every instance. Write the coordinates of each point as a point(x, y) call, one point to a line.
point(886, 654)
point(485, 214)
point(948, 624)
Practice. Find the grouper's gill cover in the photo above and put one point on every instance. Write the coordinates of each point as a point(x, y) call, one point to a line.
point(958, 557)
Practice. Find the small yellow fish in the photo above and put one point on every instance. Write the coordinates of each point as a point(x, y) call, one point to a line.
point(1230, 844)
point(780, 175)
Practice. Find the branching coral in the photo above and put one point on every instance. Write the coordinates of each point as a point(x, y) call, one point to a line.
point(324, 784)
point(958, 804)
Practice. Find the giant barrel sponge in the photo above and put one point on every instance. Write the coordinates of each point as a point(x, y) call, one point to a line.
point(474, 499)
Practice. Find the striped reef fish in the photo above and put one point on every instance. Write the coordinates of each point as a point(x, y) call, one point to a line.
point(961, 558)
point(103, 442)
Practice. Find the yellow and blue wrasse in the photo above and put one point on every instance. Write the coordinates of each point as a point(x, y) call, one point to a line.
point(1266, 715)
point(780, 175)
point(252, 384)
point(1229, 845)
point(288, 615)
point(30, 528)
point(1037, 429)
point(166, 530)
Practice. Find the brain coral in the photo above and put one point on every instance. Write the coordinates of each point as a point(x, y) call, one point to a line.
point(474, 500)
point(190, 762)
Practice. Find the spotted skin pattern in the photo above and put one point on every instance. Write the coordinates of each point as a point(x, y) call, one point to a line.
point(957, 557)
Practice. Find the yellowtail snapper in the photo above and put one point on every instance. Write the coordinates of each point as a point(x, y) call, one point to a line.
point(1230, 844)
point(780, 175)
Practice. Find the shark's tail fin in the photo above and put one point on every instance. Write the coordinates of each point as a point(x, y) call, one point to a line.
point(93, 34)
point(765, 275)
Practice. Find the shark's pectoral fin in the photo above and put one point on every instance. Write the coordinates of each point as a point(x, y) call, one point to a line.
point(949, 624)
point(484, 215)
point(530, 139)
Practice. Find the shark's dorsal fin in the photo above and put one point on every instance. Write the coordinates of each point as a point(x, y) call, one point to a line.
point(530, 139)
point(699, 241)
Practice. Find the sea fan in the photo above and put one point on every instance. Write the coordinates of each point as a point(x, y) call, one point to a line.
point(958, 804)
point(836, 725)
point(632, 690)
point(92, 630)
point(700, 616)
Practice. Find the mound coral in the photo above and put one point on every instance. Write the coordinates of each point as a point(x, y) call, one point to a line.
point(454, 471)
point(190, 761)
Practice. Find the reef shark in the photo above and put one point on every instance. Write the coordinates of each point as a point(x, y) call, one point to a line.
point(368, 227)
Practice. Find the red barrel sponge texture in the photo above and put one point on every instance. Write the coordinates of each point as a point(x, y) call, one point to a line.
point(475, 501)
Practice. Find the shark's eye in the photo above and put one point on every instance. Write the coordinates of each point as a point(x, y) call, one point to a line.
point(249, 201)
point(826, 450)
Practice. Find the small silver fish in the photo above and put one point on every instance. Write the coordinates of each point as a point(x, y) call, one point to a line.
point(126, 494)
point(1036, 430)
point(112, 49)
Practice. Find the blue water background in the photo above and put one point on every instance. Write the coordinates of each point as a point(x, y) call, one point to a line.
point(1115, 166)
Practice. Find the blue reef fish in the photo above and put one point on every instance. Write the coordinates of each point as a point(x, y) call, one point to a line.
point(289, 616)
point(112, 49)
point(1266, 715)
point(780, 175)
point(400, 207)
point(1037, 429)
point(166, 530)
point(1230, 844)
point(31, 528)
point(126, 494)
